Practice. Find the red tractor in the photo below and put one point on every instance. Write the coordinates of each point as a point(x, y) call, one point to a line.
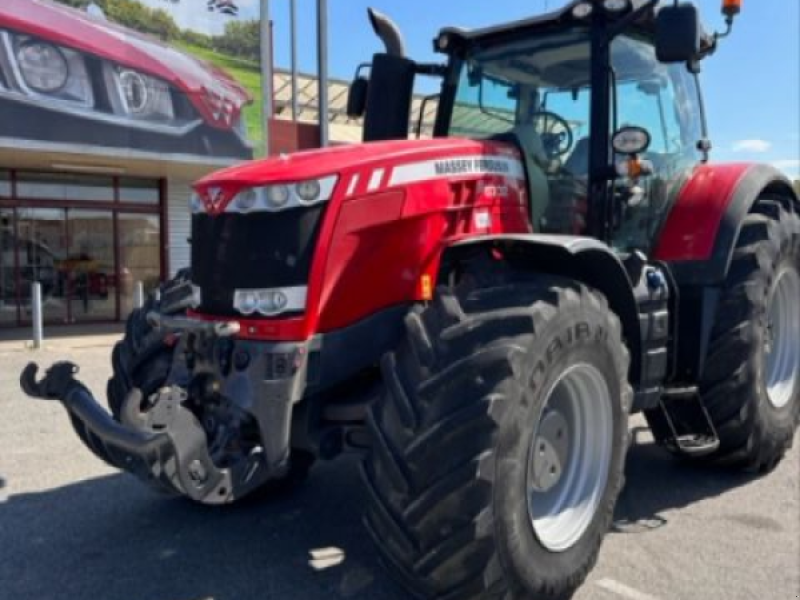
point(479, 313)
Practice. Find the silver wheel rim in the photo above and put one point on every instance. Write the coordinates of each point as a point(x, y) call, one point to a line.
point(569, 457)
point(782, 339)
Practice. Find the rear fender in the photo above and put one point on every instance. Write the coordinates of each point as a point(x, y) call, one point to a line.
point(698, 242)
point(584, 259)
point(700, 234)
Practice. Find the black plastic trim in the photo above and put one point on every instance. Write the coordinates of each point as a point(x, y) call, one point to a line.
point(585, 259)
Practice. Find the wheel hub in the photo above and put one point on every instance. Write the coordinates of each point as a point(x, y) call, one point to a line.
point(782, 330)
point(569, 457)
point(551, 451)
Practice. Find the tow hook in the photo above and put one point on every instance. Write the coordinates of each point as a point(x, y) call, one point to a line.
point(166, 445)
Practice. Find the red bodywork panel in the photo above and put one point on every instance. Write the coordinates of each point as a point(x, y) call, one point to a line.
point(215, 95)
point(396, 206)
point(692, 226)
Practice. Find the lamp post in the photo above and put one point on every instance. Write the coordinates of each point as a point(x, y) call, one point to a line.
point(266, 73)
point(322, 59)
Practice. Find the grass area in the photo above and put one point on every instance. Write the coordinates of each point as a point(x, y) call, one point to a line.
point(248, 75)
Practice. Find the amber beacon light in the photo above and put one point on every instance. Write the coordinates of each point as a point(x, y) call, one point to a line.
point(731, 8)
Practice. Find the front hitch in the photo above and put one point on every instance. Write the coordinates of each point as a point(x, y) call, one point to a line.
point(166, 446)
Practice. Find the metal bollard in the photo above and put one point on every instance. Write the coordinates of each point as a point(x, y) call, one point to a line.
point(36, 314)
point(138, 295)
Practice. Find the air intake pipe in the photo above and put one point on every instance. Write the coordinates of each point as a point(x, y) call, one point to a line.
point(388, 32)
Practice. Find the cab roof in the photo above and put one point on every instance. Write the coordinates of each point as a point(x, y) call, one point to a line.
point(551, 20)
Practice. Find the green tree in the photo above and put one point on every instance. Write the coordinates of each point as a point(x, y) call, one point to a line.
point(241, 38)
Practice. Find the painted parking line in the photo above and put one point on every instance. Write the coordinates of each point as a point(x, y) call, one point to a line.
point(620, 589)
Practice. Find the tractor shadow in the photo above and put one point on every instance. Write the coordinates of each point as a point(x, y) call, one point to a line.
point(657, 482)
point(112, 539)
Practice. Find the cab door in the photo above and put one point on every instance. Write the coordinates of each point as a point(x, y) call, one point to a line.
point(664, 99)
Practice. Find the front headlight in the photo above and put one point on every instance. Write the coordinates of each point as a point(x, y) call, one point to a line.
point(270, 303)
point(278, 197)
point(43, 66)
point(138, 95)
point(45, 70)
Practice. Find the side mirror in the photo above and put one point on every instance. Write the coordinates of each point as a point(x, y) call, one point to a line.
point(678, 33)
point(357, 97)
point(631, 140)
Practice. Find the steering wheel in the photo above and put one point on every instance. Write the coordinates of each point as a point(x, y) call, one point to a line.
point(555, 131)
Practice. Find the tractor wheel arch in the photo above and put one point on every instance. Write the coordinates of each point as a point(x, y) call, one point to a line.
point(697, 242)
point(586, 260)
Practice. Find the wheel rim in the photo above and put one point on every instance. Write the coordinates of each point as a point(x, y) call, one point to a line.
point(781, 348)
point(569, 457)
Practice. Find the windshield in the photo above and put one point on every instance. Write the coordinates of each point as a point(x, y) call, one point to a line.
point(536, 93)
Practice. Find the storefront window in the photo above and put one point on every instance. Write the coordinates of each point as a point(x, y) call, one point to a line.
point(8, 289)
point(139, 256)
point(89, 259)
point(5, 184)
point(139, 191)
point(89, 266)
point(42, 249)
point(52, 186)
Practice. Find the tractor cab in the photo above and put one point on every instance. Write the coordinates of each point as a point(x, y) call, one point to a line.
point(599, 97)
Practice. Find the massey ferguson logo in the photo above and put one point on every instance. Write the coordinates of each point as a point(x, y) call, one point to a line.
point(216, 196)
point(467, 166)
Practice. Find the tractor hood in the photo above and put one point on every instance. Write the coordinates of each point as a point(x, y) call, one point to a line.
point(208, 88)
point(370, 158)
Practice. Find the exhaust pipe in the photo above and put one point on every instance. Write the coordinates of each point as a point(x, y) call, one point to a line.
point(388, 32)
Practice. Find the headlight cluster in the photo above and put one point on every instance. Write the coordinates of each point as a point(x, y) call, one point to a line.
point(278, 197)
point(36, 71)
point(270, 303)
point(42, 70)
point(138, 95)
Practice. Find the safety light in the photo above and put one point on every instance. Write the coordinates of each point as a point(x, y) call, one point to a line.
point(582, 10)
point(731, 8)
point(43, 67)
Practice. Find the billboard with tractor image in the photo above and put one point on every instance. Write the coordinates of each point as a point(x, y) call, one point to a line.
point(168, 77)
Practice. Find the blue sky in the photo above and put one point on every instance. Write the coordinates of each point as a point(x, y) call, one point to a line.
point(752, 85)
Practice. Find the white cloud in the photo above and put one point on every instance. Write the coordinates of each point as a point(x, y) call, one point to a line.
point(759, 146)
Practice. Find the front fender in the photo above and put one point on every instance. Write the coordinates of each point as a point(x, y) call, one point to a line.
point(584, 259)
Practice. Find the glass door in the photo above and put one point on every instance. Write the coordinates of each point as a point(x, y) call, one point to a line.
point(41, 251)
point(89, 266)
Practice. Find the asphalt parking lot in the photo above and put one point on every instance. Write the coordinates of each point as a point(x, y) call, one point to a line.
point(72, 528)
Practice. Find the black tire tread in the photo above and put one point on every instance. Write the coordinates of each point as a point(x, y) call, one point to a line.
point(768, 234)
point(429, 519)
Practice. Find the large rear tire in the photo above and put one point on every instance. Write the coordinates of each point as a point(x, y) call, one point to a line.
point(499, 443)
point(751, 381)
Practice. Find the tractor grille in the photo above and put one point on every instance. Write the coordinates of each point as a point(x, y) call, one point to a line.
point(255, 251)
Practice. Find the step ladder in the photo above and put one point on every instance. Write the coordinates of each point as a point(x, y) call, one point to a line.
point(684, 405)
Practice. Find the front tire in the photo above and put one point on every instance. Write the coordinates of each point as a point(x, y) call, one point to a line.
point(491, 376)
